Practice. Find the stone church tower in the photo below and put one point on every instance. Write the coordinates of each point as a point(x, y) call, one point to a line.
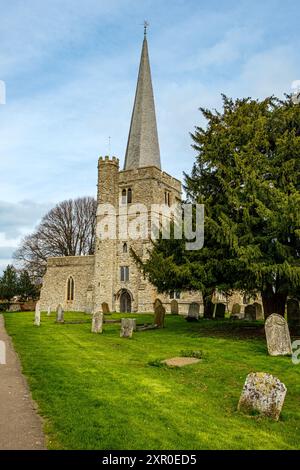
point(111, 276)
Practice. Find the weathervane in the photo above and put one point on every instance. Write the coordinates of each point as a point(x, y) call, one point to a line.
point(146, 24)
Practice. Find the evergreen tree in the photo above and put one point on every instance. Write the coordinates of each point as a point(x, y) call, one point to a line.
point(247, 174)
point(26, 289)
point(9, 283)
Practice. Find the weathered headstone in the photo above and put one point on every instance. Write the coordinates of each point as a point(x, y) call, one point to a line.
point(236, 310)
point(59, 314)
point(209, 309)
point(278, 336)
point(193, 312)
point(105, 308)
point(293, 312)
point(174, 307)
point(220, 311)
point(37, 315)
point(250, 313)
point(49, 311)
point(128, 326)
point(159, 316)
point(97, 322)
point(258, 311)
point(157, 303)
point(264, 394)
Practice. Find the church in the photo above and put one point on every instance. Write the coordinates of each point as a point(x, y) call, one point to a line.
point(111, 276)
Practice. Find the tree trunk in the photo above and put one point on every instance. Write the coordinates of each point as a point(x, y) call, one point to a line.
point(273, 302)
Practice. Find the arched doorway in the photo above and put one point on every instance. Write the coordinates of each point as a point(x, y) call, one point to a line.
point(125, 302)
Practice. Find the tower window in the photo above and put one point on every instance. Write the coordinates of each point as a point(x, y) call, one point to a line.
point(167, 198)
point(129, 196)
point(70, 289)
point(124, 196)
point(125, 247)
point(124, 273)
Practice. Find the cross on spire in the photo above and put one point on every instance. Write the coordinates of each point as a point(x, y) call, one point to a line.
point(146, 24)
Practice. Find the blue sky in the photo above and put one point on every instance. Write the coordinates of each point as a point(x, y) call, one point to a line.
point(70, 69)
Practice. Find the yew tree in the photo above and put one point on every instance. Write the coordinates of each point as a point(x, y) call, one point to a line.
point(247, 175)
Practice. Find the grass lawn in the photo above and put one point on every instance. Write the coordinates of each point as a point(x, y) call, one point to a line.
point(101, 391)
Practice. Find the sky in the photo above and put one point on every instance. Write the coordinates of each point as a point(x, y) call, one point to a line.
point(70, 69)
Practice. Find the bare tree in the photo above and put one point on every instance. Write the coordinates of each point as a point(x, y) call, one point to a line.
point(66, 230)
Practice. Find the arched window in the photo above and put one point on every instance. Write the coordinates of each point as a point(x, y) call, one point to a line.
point(125, 247)
point(124, 196)
point(70, 289)
point(129, 196)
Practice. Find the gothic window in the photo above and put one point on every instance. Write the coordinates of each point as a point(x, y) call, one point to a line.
point(129, 196)
point(124, 273)
point(70, 289)
point(124, 196)
point(125, 247)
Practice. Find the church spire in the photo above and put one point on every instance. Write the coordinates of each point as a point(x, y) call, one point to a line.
point(143, 147)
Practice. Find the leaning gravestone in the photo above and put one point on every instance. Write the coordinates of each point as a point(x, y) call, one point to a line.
point(37, 316)
point(174, 307)
point(97, 322)
point(59, 314)
point(159, 316)
point(128, 326)
point(258, 311)
point(193, 312)
point(278, 336)
point(293, 312)
point(264, 394)
point(250, 313)
point(105, 308)
point(220, 311)
point(49, 311)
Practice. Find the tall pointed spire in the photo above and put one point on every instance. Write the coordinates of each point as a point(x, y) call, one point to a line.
point(143, 147)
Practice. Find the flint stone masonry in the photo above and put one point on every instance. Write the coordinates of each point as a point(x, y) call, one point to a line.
point(128, 326)
point(97, 322)
point(264, 394)
point(278, 336)
point(37, 316)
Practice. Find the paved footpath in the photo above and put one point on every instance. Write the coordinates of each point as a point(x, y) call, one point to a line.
point(20, 425)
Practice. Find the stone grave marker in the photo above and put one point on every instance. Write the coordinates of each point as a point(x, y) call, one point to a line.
point(193, 312)
point(128, 326)
point(159, 316)
point(250, 313)
point(278, 336)
point(293, 312)
point(174, 307)
point(105, 308)
point(264, 394)
point(37, 315)
point(59, 314)
point(258, 311)
point(220, 311)
point(97, 322)
point(209, 309)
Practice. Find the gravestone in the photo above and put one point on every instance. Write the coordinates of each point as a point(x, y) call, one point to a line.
point(157, 303)
point(264, 394)
point(128, 326)
point(14, 308)
point(97, 322)
point(250, 313)
point(278, 336)
point(220, 311)
point(105, 308)
point(49, 311)
point(209, 309)
point(236, 310)
point(258, 311)
point(174, 307)
point(159, 316)
point(37, 315)
point(59, 314)
point(193, 312)
point(293, 312)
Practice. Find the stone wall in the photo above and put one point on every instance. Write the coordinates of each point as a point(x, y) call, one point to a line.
point(54, 290)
